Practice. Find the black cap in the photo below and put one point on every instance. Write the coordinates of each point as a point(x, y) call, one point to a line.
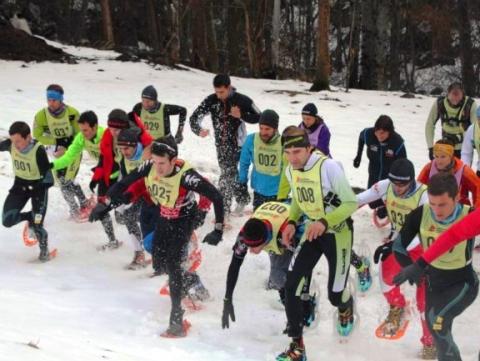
point(128, 137)
point(310, 109)
point(401, 171)
point(269, 117)
point(118, 119)
point(254, 232)
point(150, 93)
point(165, 146)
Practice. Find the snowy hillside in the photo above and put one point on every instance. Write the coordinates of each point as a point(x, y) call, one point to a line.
point(84, 306)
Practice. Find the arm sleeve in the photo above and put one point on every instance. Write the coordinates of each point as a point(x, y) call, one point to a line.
point(377, 191)
point(251, 114)
point(39, 124)
point(239, 253)
point(323, 143)
point(361, 143)
point(172, 109)
point(467, 146)
point(465, 229)
point(246, 158)
point(5, 145)
point(44, 166)
point(401, 151)
point(71, 154)
point(408, 232)
point(342, 189)
point(430, 125)
point(193, 181)
point(198, 115)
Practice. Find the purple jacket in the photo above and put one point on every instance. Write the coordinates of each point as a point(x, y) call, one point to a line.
point(319, 136)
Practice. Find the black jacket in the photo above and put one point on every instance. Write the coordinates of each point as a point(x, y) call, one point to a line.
point(380, 155)
point(225, 126)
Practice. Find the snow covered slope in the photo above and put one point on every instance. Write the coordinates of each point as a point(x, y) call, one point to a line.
point(84, 306)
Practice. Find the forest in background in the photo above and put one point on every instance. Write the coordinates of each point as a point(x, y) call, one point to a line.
point(365, 44)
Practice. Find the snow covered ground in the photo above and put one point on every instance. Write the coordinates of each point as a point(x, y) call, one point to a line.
point(84, 306)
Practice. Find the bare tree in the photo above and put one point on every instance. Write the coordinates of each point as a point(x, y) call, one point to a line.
point(466, 57)
point(322, 71)
point(276, 33)
point(107, 23)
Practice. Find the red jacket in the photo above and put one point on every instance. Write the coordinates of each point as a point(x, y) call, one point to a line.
point(104, 169)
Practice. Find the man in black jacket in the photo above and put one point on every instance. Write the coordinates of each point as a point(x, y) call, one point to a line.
point(156, 115)
point(171, 184)
point(384, 146)
point(228, 110)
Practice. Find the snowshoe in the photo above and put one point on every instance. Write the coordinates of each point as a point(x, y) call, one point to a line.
point(345, 322)
point(46, 255)
point(395, 324)
point(177, 330)
point(29, 236)
point(364, 277)
point(295, 352)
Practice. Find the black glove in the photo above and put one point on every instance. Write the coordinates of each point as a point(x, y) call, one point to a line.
point(382, 252)
point(50, 165)
point(199, 218)
point(123, 198)
point(430, 153)
point(228, 313)
point(179, 137)
point(92, 185)
point(356, 162)
point(100, 210)
point(242, 194)
point(412, 273)
point(213, 238)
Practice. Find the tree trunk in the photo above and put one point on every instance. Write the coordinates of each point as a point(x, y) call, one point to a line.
point(466, 47)
point(275, 34)
point(322, 71)
point(367, 62)
point(354, 47)
point(395, 45)
point(381, 44)
point(410, 53)
point(212, 54)
point(198, 35)
point(107, 23)
point(151, 15)
point(248, 39)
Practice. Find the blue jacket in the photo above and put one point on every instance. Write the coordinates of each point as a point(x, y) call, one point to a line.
point(263, 184)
